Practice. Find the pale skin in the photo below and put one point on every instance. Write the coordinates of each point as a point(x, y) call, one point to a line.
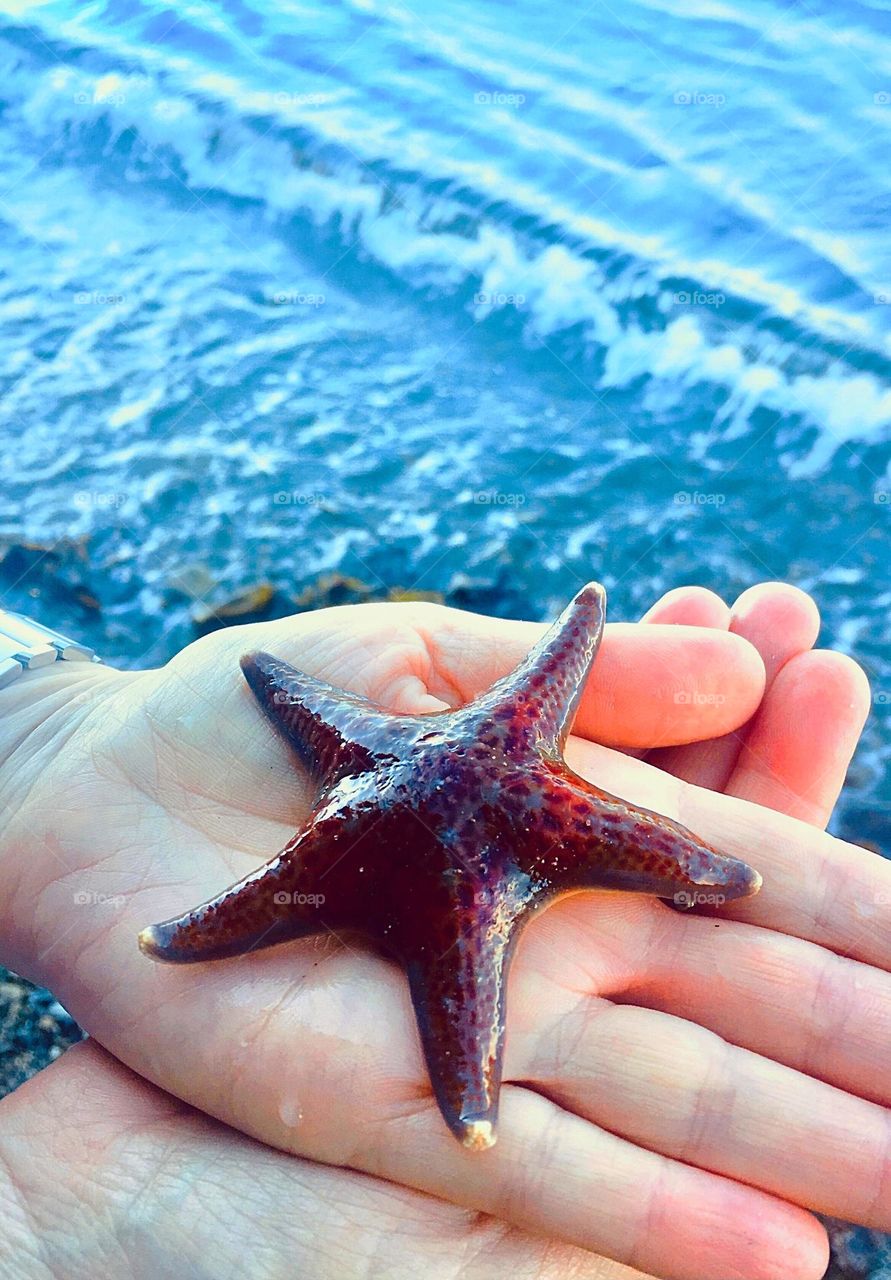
point(679, 1089)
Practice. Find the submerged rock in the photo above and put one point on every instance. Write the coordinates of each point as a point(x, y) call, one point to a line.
point(332, 589)
point(195, 581)
point(254, 604)
point(338, 588)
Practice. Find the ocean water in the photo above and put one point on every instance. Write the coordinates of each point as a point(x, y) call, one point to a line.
point(475, 298)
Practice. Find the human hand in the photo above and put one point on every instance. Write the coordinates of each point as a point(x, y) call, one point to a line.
point(103, 1175)
point(313, 1048)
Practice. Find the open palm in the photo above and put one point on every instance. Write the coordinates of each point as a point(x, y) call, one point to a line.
point(675, 1086)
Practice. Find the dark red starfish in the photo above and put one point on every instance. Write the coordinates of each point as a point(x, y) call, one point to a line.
point(438, 836)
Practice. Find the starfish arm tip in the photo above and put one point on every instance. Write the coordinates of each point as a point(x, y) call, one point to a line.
point(254, 662)
point(150, 942)
point(156, 942)
point(742, 881)
point(594, 590)
point(478, 1135)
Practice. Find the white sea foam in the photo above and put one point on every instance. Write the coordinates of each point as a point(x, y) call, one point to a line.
point(552, 288)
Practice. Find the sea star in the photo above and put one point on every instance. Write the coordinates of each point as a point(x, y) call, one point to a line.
point(438, 836)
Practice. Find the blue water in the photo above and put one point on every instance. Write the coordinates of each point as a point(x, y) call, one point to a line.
point(479, 298)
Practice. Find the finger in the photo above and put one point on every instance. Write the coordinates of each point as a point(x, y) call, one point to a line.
point(826, 697)
point(780, 622)
point(205, 1195)
point(659, 685)
point(778, 619)
point(675, 1088)
point(815, 886)
point(685, 606)
point(606, 1193)
point(649, 685)
point(815, 1011)
point(690, 607)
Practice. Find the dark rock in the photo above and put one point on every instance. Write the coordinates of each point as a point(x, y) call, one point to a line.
point(34, 1030)
point(857, 1253)
point(333, 589)
point(56, 572)
point(338, 588)
point(254, 604)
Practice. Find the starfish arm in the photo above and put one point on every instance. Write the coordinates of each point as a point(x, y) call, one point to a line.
point(458, 978)
point(332, 732)
point(281, 900)
point(459, 1005)
point(544, 691)
point(585, 838)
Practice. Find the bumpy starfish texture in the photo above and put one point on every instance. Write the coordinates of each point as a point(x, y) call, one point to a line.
point(438, 837)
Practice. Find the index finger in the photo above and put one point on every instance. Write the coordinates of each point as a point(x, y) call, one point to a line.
point(651, 685)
